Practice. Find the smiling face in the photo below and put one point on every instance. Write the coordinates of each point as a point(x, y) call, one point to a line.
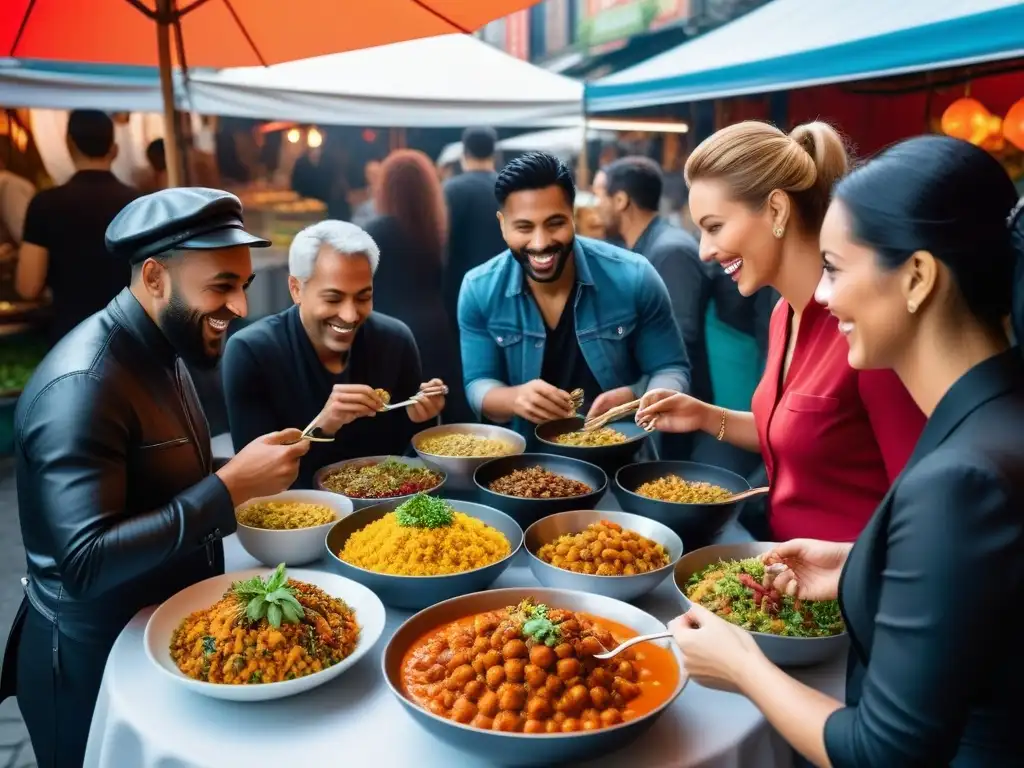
point(870, 302)
point(335, 301)
point(734, 235)
point(538, 228)
point(200, 293)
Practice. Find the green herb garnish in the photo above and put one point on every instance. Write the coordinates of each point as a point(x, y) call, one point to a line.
point(271, 599)
point(538, 625)
point(423, 511)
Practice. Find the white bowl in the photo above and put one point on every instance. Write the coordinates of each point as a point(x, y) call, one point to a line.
point(369, 611)
point(297, 546)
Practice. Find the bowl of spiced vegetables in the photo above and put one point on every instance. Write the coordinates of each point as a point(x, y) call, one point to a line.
point(530, 486)
point(372, 479)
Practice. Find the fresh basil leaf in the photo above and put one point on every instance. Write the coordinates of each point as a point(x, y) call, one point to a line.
point(291, 600)
point(290, 614)
point(256, 610)
point(278, 595)
point(277, 580)
point(274, 614)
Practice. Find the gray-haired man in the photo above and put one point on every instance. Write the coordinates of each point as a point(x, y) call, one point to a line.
point(324, 357)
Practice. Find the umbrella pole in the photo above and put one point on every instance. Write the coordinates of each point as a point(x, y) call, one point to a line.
point(164, 16)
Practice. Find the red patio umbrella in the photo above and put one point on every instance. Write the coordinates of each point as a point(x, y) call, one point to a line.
point(225, 33)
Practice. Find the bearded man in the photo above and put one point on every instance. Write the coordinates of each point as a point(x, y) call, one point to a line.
point(557, 312)
point(120, 503)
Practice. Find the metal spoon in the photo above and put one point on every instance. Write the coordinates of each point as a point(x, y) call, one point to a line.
point(630, 643)
point(433, 392)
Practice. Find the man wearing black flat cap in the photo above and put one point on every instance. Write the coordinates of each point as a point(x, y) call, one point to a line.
point(119, 501)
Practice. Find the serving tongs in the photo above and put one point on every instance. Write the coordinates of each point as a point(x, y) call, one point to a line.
point(613, 414)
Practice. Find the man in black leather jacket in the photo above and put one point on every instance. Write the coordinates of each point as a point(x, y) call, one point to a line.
point(120, 505)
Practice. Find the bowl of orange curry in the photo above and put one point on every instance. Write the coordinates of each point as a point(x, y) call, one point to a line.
point(512, 672)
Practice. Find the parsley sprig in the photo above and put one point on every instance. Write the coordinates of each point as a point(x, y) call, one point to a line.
point(537, 624)
point(271, 599)
point(424, 511)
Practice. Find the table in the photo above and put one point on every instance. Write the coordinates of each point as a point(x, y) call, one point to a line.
point(143, 720)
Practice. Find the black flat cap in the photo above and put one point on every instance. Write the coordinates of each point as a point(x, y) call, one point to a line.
point(181, 218)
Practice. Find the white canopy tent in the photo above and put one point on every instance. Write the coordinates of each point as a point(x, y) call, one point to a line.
point(561, 142)
point(789, 44)
point(447, 81)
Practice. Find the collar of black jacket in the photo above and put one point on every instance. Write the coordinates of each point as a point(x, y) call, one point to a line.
point(987, 380)
point(127, 311)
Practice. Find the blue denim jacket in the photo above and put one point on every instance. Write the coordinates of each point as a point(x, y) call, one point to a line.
point(624, 325)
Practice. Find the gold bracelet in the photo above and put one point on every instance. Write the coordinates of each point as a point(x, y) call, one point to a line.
point(721, 429)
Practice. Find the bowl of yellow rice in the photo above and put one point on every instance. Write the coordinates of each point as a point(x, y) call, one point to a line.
point(289, 527)
point(417, 552)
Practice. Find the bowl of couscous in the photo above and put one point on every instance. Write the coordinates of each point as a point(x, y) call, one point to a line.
point(423, 550)
point(289, 527)
point(458, 449)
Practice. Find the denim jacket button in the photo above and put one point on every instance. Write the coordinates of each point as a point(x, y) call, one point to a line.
point(539, 344)
point(619, 330)
point(499, 339)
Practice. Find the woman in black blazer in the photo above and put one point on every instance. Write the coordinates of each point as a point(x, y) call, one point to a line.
point(919, 250)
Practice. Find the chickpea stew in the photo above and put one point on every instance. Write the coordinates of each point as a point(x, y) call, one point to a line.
point(605, 549)
point(531, 669)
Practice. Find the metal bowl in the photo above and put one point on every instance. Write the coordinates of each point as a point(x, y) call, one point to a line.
point(608, 457)
point(528, 511)
point(323, 472)
point(295, 546)
point(460, 470)
point(521, 748)
point(619, 587)
point(783, 651)
point(416, 592)
point(695, 523)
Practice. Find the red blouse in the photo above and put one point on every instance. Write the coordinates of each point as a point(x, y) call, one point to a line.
point(833, 438)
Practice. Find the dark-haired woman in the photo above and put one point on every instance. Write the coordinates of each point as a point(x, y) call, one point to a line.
point(919, 264)
point(410, 231)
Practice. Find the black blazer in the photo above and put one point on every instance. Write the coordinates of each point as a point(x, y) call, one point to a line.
point(933, 591)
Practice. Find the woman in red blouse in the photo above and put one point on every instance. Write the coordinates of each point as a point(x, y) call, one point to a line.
point(833, 438)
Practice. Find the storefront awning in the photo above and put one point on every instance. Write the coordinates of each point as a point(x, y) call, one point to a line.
point(799, 43)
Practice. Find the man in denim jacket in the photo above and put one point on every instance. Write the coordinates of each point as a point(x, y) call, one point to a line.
point(556, 312)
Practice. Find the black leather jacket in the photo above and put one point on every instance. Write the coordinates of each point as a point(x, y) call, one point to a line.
point(119, 505)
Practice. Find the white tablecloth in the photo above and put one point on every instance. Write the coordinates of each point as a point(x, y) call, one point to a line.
point(143, 720)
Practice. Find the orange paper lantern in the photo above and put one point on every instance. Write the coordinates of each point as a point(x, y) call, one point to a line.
point(1013, 125)
point(968, 119)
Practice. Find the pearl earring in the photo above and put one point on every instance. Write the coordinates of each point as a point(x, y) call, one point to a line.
point(911, 307)
point(778, 232)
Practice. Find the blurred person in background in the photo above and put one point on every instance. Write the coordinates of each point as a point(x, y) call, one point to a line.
point(473, 232)
point(320, 175)
point(410, 232)
point(63, 246)
point(366, 211)
point(322, 359)
point(833, 439)
point(555, 312)
point(628, 196)
point(16, 193)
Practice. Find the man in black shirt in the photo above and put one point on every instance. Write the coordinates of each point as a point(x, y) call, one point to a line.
point(474, 235)
point(63, 246)
point(324, 357)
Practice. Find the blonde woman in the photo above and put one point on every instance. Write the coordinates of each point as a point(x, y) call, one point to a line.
point(833, 439)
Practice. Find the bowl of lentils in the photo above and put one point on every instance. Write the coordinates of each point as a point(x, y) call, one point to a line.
point(530, 486)
point(289, 527)
point(373, 479)
point(690, 498)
